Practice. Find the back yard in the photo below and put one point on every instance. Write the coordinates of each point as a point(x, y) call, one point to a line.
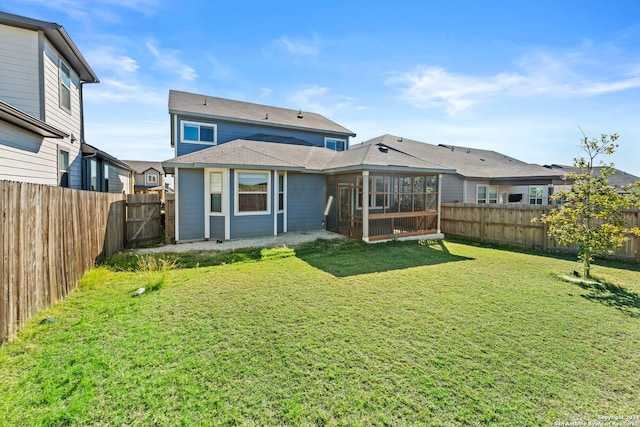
point(333, 333)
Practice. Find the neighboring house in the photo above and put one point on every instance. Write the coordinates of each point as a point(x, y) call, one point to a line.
point(103, 172)
point(246, 170)
point(482, 176)
point(149, 177)
point(618, 179)
point(41, 113)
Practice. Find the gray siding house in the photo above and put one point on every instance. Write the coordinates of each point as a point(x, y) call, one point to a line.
point(149, 177)
point(246, 170)
point(482, 176)
point(41, 80)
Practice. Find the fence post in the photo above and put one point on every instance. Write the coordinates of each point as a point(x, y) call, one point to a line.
point(124, 220)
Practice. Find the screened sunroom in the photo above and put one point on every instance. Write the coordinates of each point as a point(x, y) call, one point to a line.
point(375, 206)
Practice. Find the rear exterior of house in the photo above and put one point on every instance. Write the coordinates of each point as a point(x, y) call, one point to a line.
point(240, 192)
point(248, 170)
point(40, 103)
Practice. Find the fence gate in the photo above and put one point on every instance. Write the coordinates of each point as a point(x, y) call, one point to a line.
point(144, 220)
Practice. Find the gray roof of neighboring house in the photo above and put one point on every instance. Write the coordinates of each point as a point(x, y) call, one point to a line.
point(468, 162)
point(59, 38)
point(91, 151)
point(248, 154)
point(23, 120)
point(140, 166)
point(618, 179)
point(205, 106)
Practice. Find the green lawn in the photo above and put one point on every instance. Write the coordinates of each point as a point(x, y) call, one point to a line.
point(334, 333)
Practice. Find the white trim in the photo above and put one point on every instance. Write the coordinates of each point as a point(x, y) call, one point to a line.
point(175, 135)
point(236, 172)
point(365, 206)
point(336, 139)
point(276, 200)
point(464, 191)
point(225, 201)
point(285, 215)
point(439, 201)
point(199, 142)
point(177, 205)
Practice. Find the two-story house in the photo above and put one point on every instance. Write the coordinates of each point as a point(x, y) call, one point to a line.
point(149, 177)
point(246, 170)
point(42, 75)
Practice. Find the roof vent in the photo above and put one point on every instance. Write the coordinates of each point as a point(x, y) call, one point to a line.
point(383, 149)
point(482, 160)
point(205, 101)
point(266, 116)
point(400, 140)
point(300, 116)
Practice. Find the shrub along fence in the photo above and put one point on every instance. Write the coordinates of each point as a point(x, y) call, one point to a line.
point(511, 225)
point(49, 237)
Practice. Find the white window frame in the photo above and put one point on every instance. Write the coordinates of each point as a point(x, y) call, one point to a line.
point(199, 124)
point(486, 194)
point(492, 200)
point(225, 202)
point(149, 181)
point(61, 84)
point(541, 198)
point(236, 193)
point(344, 141)
point(280, 209)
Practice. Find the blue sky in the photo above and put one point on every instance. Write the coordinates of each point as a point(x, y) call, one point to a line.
point(520, 78)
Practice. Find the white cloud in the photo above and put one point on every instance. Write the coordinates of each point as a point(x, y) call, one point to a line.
point(87, 11)
point(108, 59)
point(115, 91)
point(169, 60)
point(265, 92)
point(300, 46)
point(538, 74)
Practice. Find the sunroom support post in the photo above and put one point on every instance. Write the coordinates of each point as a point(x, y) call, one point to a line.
point(439, 200)
point(365, 206)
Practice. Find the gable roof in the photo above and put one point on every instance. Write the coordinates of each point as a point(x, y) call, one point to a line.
point(468, 162)
point(140, 166)
point(618, 179)
point(246, 154)
point(25, 121)
point(205, 106)
point(59, 38)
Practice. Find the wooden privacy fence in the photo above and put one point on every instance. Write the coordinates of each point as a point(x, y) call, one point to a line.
point(511, 225)
point(50, 236)
point(143, 219)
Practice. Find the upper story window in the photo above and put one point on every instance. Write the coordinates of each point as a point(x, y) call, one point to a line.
point(152, 179)
point(198, 133)
point(335, 144)
point(65, 86)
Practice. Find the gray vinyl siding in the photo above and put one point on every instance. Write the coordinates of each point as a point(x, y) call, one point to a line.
point(27, 157)
point(231, 131)
point(19, 69)
point(191, 199)
point(119, 180)
point(251, 226)
point(306, 195)
point(216, 229)
point(452, 188)
point(59, 117)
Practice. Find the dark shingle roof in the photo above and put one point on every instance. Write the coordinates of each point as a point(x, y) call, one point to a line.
point(239, 111)
point(254, 154)
point(468, 162)
point(618, 179)
point(141, 166)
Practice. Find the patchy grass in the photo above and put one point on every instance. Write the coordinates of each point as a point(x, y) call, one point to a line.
point(332, 333)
